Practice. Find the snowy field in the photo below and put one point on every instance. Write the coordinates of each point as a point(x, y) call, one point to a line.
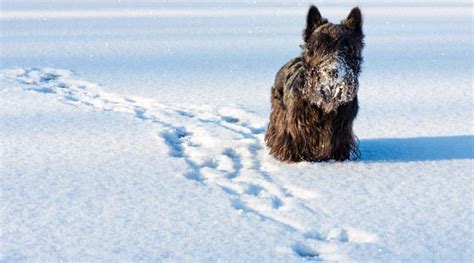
point(133, 131)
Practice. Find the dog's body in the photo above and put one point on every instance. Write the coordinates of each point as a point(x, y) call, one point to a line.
point(314, 98)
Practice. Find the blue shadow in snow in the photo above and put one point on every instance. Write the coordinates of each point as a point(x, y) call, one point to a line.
point(417, 149)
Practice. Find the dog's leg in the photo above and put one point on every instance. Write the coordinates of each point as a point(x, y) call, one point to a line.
point(343, 140)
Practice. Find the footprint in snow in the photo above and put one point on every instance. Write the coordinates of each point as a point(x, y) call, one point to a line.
point(222, 147)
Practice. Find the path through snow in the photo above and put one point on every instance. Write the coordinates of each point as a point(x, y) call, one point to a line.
point(222, 148)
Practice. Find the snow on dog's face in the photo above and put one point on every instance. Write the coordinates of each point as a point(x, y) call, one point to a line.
point(332, 54)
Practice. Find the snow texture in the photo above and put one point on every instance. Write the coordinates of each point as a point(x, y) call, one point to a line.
point(133, 131)
point(221, 148)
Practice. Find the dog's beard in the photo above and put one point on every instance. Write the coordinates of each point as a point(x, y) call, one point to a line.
point(332, 84)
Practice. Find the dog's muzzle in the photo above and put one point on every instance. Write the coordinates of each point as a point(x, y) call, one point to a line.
point(331, 84)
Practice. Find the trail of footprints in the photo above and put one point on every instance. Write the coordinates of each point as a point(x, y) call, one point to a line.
point(222, 148)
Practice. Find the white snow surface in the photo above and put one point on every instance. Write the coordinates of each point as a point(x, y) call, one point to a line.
point(133, 131)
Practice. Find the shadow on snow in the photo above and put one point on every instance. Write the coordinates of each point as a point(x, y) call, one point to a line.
point(417, 149)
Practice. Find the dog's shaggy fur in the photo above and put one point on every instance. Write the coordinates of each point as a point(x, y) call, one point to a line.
point(314, 98)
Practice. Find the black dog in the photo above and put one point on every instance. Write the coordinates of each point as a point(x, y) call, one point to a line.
point(314, 98)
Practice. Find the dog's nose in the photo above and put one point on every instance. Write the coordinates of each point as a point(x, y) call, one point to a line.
point(323, 94)
point(333, 73)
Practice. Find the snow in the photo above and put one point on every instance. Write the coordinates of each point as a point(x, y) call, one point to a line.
point(136, 134)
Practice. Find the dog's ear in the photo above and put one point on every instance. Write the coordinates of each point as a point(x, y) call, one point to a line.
point(354, 19)
point(313, 20)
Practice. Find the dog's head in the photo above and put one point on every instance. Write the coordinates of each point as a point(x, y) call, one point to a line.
point(332, 53)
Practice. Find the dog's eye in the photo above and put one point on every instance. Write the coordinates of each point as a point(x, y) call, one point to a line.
point(344, 42)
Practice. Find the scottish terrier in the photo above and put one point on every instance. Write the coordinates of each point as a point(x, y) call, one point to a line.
point(314, 97)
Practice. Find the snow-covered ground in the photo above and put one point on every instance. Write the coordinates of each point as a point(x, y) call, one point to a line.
point(134, 132)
